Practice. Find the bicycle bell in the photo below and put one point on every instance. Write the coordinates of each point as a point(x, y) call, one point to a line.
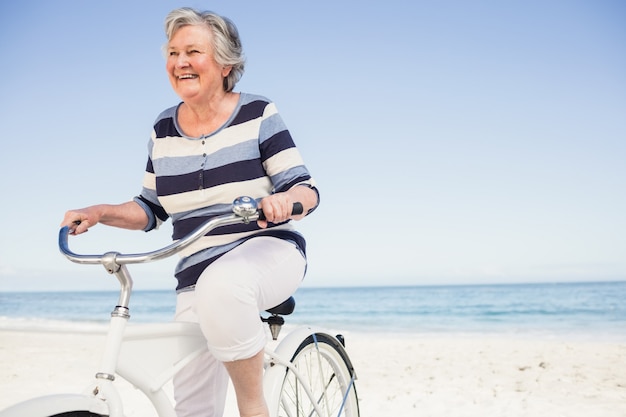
point(245, 206)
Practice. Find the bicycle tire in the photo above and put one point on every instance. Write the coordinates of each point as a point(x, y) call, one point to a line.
point(78, 414)
point(324, 364)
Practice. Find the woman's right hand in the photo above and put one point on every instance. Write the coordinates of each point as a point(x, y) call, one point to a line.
point(80, 220)
point(127, 215)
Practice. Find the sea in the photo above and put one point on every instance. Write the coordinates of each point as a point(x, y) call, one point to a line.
point(582, 311)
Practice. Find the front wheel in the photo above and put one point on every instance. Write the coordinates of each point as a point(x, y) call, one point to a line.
point(320, 366)
point(59, 405)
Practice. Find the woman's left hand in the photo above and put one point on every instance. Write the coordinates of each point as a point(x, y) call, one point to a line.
point(276, 209)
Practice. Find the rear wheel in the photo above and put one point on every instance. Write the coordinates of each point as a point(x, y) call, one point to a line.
point(325, 369)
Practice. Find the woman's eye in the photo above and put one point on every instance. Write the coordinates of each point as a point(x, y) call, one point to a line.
point(172, 53)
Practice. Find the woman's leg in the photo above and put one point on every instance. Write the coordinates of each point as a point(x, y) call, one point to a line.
point(257, 275)
point(247, 377)
point(200, 387)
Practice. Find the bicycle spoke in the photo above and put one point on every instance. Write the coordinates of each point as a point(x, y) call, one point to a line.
point(345, 397)
point(322, 378)
point(319, 384)
point(323, 394)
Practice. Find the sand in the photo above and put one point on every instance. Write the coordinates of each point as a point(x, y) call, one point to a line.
point(398, 375)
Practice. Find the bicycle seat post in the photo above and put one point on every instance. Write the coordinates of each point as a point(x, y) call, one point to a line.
point(275, 322)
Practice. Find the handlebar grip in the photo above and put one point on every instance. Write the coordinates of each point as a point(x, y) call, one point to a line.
point(295, 210)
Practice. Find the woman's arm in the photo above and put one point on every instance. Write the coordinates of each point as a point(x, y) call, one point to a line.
point(277, 207)
point(129, 215)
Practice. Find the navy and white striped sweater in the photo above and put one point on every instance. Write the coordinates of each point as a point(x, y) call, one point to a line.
point(193, 179)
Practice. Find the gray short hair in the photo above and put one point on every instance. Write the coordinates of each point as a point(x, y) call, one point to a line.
point(226, 42)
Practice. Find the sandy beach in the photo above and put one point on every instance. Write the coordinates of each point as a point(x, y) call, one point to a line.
point(399, 375)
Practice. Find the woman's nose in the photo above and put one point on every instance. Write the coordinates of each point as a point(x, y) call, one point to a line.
point(182, 60)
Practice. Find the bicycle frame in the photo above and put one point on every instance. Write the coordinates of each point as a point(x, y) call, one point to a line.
point(129, 351)
point(149, 370)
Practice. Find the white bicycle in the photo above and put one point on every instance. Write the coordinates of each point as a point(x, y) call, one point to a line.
point(308, 373)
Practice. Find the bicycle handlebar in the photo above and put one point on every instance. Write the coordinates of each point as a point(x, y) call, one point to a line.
point(245, 210)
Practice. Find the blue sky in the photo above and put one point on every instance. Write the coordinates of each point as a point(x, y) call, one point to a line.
point(453, 142)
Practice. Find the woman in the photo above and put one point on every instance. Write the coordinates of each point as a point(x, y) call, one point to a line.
point(214, 146)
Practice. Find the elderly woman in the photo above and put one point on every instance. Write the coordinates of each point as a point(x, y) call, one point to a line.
point(212, 147)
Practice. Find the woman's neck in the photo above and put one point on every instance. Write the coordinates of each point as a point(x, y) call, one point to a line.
point(202, 118)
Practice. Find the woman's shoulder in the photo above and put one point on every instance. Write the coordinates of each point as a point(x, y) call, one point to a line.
point(247, 98)
point(168, 113)
point(256, 105)
point(165, 123)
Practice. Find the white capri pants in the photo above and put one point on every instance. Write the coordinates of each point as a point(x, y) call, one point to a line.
point(256, 275)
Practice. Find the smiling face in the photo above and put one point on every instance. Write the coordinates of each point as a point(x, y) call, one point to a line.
point(191, 66)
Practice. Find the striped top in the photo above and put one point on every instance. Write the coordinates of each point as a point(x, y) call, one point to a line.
point(194, 179)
